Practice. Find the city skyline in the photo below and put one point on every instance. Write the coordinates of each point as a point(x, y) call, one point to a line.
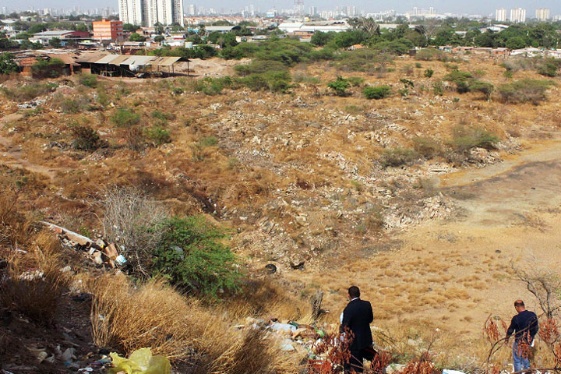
point(480, 7)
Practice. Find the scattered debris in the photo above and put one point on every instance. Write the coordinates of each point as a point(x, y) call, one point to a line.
point(98, 251)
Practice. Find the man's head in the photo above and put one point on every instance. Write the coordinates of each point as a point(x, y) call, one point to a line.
point(354, 292)
point(519, 306)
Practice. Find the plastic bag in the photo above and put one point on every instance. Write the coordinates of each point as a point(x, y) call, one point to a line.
point(140, 361)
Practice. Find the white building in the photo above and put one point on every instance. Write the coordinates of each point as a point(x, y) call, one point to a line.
point(500, 15)
point(518, 15)
point(150, 12)
point(542, 14)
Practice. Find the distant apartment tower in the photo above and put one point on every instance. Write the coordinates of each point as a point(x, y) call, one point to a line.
point(500, 15)
point(149, 12)
point(542, 14)
point(191, 10)
point(105, 30)
point(518, 15)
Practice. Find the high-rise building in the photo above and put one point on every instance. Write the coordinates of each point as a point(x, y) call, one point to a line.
point(542, 14)
point(500, 15)
point(150, 12)
point(518, 15)
point(130, 11)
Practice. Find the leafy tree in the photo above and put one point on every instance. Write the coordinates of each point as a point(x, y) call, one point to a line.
point(135, 37)
point(516, 42)
point(81, 27)
point(321, 38)
point(223, 39)
point(8, 64)
point(192, 256)
point(348, 38)
point(127, 27)
point(37, 28)
point(51, 68)
point(158, 28)
point(23, 35)
point(55, 43)
point(396, 47)
point(489, 39)
point(366, 25)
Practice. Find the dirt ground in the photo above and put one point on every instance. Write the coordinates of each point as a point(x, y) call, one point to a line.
point(509, 222)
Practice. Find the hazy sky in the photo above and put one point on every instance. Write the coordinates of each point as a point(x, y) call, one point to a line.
point(484, 7)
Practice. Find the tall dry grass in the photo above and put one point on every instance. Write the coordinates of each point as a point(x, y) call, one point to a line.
point(34, 282)
point(127, 317)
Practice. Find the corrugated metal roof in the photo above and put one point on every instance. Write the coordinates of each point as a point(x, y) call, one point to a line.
point(91, 57)
point(64, 57)
point(165, 61)
point(119, 60)
point(107, 59)
point(138, 60)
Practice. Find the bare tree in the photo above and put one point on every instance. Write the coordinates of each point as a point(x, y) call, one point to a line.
point(545, 285)
point(131, 220)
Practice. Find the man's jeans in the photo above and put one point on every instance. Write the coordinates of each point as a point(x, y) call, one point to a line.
point(520, 362)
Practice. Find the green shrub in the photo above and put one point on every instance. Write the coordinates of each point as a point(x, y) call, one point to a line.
point(524, 91)
point(376, 92)
point(209, 141)
point(364, 60)
point(397, 157)
point(8, 63)
point(429, 54)
point(263, 75)
point(428, 73)
point(71, 106)
point(157, 135)
point(102, 97)
point(464, 138)
point(88, 80)
point(549, 67)
point(124, 117)
point(485, 88)
point(191, 255)
point(52, 68)
point(340, 86)
point(355, 81)
point(460, 78)
point(27, 92)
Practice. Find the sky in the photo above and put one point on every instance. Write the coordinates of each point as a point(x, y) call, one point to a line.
point(482, 7)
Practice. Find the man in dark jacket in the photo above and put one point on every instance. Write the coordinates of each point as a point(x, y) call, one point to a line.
point(525, 326)
point(356, 319)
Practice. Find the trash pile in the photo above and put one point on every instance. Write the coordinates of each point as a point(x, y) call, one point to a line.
point(99, 251)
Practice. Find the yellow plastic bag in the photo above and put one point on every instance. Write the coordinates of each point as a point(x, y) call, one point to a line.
point(140, 361)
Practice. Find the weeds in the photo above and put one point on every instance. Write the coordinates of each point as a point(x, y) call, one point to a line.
point(34, 282)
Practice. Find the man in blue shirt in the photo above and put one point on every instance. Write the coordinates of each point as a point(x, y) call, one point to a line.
point(525, 326)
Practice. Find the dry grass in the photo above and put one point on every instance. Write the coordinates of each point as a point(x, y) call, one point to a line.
point(153, 315)
point(35, 282)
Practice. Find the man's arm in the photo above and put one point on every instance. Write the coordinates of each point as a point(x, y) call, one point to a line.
point(510, 329)
point(371, 316)
point(534, 326)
